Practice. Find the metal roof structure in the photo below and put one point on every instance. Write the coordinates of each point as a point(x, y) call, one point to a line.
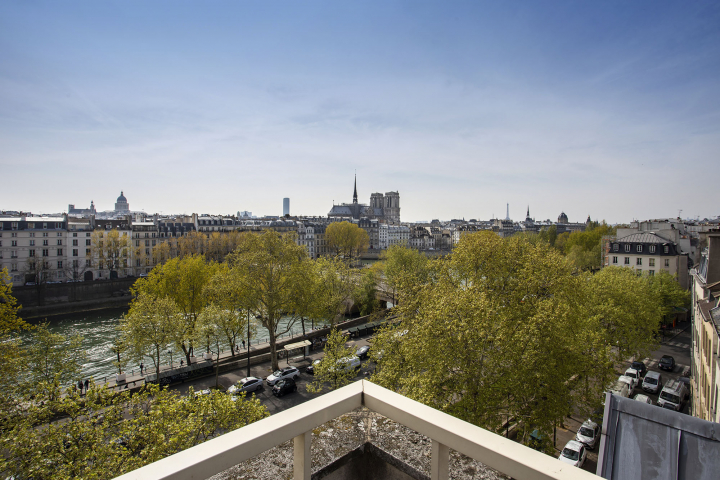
point(645, 441)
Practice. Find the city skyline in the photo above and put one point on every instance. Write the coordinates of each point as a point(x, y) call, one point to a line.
point(601, 109)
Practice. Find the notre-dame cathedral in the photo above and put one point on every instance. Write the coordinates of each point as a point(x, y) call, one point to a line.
point(385, 208)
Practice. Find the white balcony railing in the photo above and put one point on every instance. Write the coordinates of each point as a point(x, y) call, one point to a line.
point(495, 451)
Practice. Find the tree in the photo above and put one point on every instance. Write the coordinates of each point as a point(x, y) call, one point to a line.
point(365, 294)
point(333, 371)
point(51, 359)
point(347, 240)
point(403, 267)
point(668, 292)
point(333, 288)
point(499, 331)
point(272, 268)
point(149, 327)
point(105, 434)
point(183, 280)
point(110, 250)
point(211, 330)
point(9, 320)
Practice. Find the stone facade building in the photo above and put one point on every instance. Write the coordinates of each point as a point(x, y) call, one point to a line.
point(384, 208)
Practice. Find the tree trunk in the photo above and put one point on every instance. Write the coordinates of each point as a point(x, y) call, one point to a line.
point(302, 321)
point(157, 364)
point(187, 353)
point(273, 351)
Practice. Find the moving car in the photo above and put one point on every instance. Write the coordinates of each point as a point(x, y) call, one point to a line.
point(287, 372)
point(673, 395)
point(362, 352)
point(588, 434)
point(640, 397)
point(247, 384)
point(667, 362)
point(574, 454)
point(652, 382)
point(283, 386)
point(311, 368)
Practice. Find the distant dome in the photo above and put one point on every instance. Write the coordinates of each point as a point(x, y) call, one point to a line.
point(562, 218)
point(122, 198)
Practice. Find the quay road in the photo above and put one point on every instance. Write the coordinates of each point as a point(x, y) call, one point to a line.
point(678, 346)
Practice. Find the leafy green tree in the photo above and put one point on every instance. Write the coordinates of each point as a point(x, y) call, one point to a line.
point(499, 331)
point(9, 321)
point(149, 327)
point(52, 359)
point(333, 371)
point(668, 292)
point(366, 292)
point(226, 292)
point(211, 330)
point(333, 288)
point(183, 280)
point(106, 434)
point(272, 269)
point(627, 311)
point(347, 240)
point(403, 268)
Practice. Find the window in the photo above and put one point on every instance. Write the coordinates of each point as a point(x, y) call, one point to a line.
point(88, 263)
point(87, 242)
point(31, 225)
point(87, 234)
point(76, 263)
point(59, 242)
point(651, 272)
point(45, 243)
point(616, 247)
point(137, 243)
point(45, 234)
point(75, 243)
point(31, 253)
point(32, 235)
point(627, 260)
point(59, 252)
point(651, 262)
point(75, 234)
point(13, 254)
point(667, 262)
point(59, 234)
point(44, 226)
point(666, 249)
point(87, 251)
point(639, 248)
point(652, 248)
point(627, 248)
point(614, 260)
point(14, 235)
point(13, 243)
point(14, 225)
point(46, 252)
point(147, 243)
point(75, 252)
point(13, 268)
point(60, 265)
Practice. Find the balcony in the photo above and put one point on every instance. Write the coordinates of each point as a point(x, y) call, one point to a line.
point(443, 431)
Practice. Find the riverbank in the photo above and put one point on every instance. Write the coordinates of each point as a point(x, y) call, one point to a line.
point(61, 309)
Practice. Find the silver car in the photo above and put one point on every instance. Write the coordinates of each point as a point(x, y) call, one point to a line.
point(652, 382)
point(247, 384)
point(588, 434)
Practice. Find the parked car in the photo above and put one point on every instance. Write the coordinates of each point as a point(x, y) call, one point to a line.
point(641, 397)
point(287, 372)
point(283, 386)
point(631, 372)
point(588, 434)
point(674, 394)
point(652, 382)
point(632, 383)
point(247, 384)
point(667, 362)
point(685, 381)
point(202, 393)
point(621, 388)
point(311, 368)
point(362, 352)
point(350, 363)
point(640, 367)
point(574, 453)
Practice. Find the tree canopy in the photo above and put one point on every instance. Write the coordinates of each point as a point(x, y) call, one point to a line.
point(347, 240)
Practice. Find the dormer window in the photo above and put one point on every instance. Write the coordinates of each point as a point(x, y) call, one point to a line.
point(639, 248)
point(627, 248)
point(616, 247)
point(652, 248)
point(666, 249)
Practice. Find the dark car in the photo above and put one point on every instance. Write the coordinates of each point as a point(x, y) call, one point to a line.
point(640, 367)
point(311, 368)
point(667, 363)
point(362, 352)
point(286, 385)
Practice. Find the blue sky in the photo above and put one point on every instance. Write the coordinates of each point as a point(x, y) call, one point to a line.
point(602, 108)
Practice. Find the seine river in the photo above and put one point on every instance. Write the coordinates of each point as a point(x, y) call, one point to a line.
point(99, 329)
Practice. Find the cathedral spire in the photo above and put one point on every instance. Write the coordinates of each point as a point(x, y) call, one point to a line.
point(355, 191)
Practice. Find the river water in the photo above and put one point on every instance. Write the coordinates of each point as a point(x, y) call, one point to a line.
point(99, 329)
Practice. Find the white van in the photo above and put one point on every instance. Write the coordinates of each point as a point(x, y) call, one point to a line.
point(620, 388)
point(673, 395)
point(350, 363)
